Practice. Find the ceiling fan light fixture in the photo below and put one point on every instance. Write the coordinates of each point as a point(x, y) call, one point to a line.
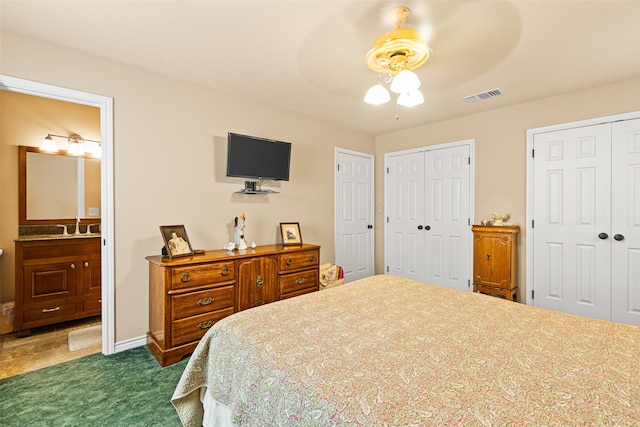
point(377, 94)
point(405, 81)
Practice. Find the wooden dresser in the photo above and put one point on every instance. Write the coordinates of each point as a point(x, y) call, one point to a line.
point(57, 279)
point(494, 260)
point(187, 295)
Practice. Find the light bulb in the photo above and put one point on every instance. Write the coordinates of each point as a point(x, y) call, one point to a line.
point(411, 99)
point(405, 81)
point(377, 95)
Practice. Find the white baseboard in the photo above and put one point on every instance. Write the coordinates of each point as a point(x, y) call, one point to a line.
point(130, 343)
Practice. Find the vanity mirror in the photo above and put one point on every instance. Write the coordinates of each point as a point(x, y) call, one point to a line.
point(54, 188)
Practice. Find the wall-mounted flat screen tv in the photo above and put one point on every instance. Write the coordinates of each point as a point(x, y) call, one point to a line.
point(257, 158)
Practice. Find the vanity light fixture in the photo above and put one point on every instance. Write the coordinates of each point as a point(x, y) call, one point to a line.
point(77, 145)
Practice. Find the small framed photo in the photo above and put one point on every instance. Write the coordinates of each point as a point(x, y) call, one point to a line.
point(176, 241)
point(290, 232)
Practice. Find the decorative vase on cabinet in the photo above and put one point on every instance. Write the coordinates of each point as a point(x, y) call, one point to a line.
point(494, 260)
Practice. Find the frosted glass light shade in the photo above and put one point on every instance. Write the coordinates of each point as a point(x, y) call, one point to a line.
point(377, 95)
point(75, 149)
point(48, 144)
point(411, 99)
point(405, 81)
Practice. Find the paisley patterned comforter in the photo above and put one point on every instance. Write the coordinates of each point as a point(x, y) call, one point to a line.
point(388, 351)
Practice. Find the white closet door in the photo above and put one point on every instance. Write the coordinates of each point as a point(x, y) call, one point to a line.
point(405, 213)
point(572, 212)
point(447, 214)
point(625, 228)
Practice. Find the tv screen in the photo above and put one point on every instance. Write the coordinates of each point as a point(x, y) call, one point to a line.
point(258, 158)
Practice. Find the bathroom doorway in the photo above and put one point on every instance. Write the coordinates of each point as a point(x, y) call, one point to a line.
point(105, 106)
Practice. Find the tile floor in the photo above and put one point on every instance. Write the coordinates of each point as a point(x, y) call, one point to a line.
point(46, 346)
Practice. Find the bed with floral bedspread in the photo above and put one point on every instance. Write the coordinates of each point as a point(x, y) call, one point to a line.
point(388, 351)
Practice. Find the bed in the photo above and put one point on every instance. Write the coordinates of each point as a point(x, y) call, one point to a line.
point(389, 351)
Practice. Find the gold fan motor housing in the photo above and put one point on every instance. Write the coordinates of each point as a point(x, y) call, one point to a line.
point(399, 49)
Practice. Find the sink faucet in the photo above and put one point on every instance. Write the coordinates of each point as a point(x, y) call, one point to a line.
point(89, 228)
point(77, 225)
point(64, 227)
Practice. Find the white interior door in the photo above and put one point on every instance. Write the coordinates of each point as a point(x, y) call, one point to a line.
point(447, 217)
point(572, 187)
point(625, 243)
point(354, 214)
point(428, 207)
point(404, 241)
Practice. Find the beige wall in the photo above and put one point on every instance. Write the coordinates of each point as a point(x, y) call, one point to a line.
point(26, 120)
point(169, 145)
point(500, 145)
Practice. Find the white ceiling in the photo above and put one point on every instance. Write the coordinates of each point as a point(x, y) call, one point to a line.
point(308, 56)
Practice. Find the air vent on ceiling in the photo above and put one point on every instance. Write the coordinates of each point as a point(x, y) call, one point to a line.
point(483, 95)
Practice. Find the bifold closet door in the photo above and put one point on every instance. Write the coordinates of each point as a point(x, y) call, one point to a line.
point(625, 224)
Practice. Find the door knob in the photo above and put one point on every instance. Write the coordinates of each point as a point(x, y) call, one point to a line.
point(603, 236)
point(619, 237)
point(369, 226)
point(427, 227)
point(420, 227)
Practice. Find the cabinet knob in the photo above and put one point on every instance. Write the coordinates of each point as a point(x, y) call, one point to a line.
point(289, 261)
point(259, 281)
point(185, 277)
point(312, 258)
point(225, 270)
point(488, 257)
point(86, 264)
point(73, 266)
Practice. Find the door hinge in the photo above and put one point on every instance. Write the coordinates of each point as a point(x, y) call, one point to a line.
point(338, 167)
point(533, 293)
point(468, 283)
point(533, 153)
point(387, 220)
point(387, 170)
point(387, 268)
point(533, 223)
point(468, 221)
point(468, 160)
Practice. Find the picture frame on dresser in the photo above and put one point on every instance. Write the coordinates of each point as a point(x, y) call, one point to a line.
point(290, 233)
point(176, 241)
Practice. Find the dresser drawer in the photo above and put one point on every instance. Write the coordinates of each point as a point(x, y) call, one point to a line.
point(194, 303)
point(193, 328)
point(198, 275)
point(298, 260)
point(298, 281)
point(55, 310)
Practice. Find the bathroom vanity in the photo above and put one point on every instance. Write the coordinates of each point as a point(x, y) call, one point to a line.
point(57, 279)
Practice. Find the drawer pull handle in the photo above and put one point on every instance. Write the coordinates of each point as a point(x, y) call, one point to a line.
point(205, 325)
point(205, 301)
point(289, 261)
point(73, 266)
point(259, 281)
point(185, 276)
point(301, 280)
point(225, 270)
point(50, 310)
point(312, 258)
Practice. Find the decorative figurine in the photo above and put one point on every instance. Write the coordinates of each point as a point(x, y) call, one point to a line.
point(239, 224)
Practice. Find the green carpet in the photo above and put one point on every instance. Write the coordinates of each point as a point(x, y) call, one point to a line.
point(124, 389)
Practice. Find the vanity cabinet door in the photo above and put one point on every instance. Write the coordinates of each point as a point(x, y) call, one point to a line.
point(47, 283)
point(257, 281)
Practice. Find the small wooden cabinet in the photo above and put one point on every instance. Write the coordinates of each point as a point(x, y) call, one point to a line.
point(494, 260)
point(187, 295)
point(56, 280)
